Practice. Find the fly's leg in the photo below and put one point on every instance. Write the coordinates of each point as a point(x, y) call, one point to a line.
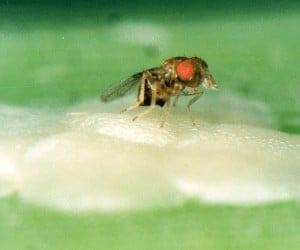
point(165, 113)
point(180, 90)
point(141, 96)
point(153, 100)
point(197, 94)
point(175, 100)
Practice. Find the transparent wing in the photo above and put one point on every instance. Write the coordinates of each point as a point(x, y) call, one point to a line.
point(121, 88)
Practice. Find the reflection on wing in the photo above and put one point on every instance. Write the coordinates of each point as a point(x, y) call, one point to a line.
point(120, 89)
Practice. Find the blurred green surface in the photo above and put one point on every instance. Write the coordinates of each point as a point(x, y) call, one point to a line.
point(191, 226)
point(57, 55)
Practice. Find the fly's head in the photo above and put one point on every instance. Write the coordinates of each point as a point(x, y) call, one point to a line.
point(206, 79)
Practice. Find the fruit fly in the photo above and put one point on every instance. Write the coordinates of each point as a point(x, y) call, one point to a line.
point(177, 76)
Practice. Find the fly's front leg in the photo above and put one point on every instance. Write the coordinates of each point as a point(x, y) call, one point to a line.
point(197, 94)
point(153, 99)
point(141, 95)
point(175, 100)
point(179, 92)
point(169, 106)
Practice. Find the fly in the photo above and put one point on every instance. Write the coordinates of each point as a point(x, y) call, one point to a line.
point(177, 76)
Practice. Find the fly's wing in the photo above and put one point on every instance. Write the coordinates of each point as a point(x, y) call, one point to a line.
point(121, 89)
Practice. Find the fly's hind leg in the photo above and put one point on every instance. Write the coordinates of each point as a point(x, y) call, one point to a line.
point(141, 96)
point(152, 103)
point(137, 104)
point(197, 94)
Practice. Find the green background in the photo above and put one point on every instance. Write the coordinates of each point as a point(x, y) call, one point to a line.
point(58, 54)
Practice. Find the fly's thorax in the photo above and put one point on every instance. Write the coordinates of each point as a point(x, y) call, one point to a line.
point(169, 71)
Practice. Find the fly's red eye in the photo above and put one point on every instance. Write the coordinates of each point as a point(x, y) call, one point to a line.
point(185, 70)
